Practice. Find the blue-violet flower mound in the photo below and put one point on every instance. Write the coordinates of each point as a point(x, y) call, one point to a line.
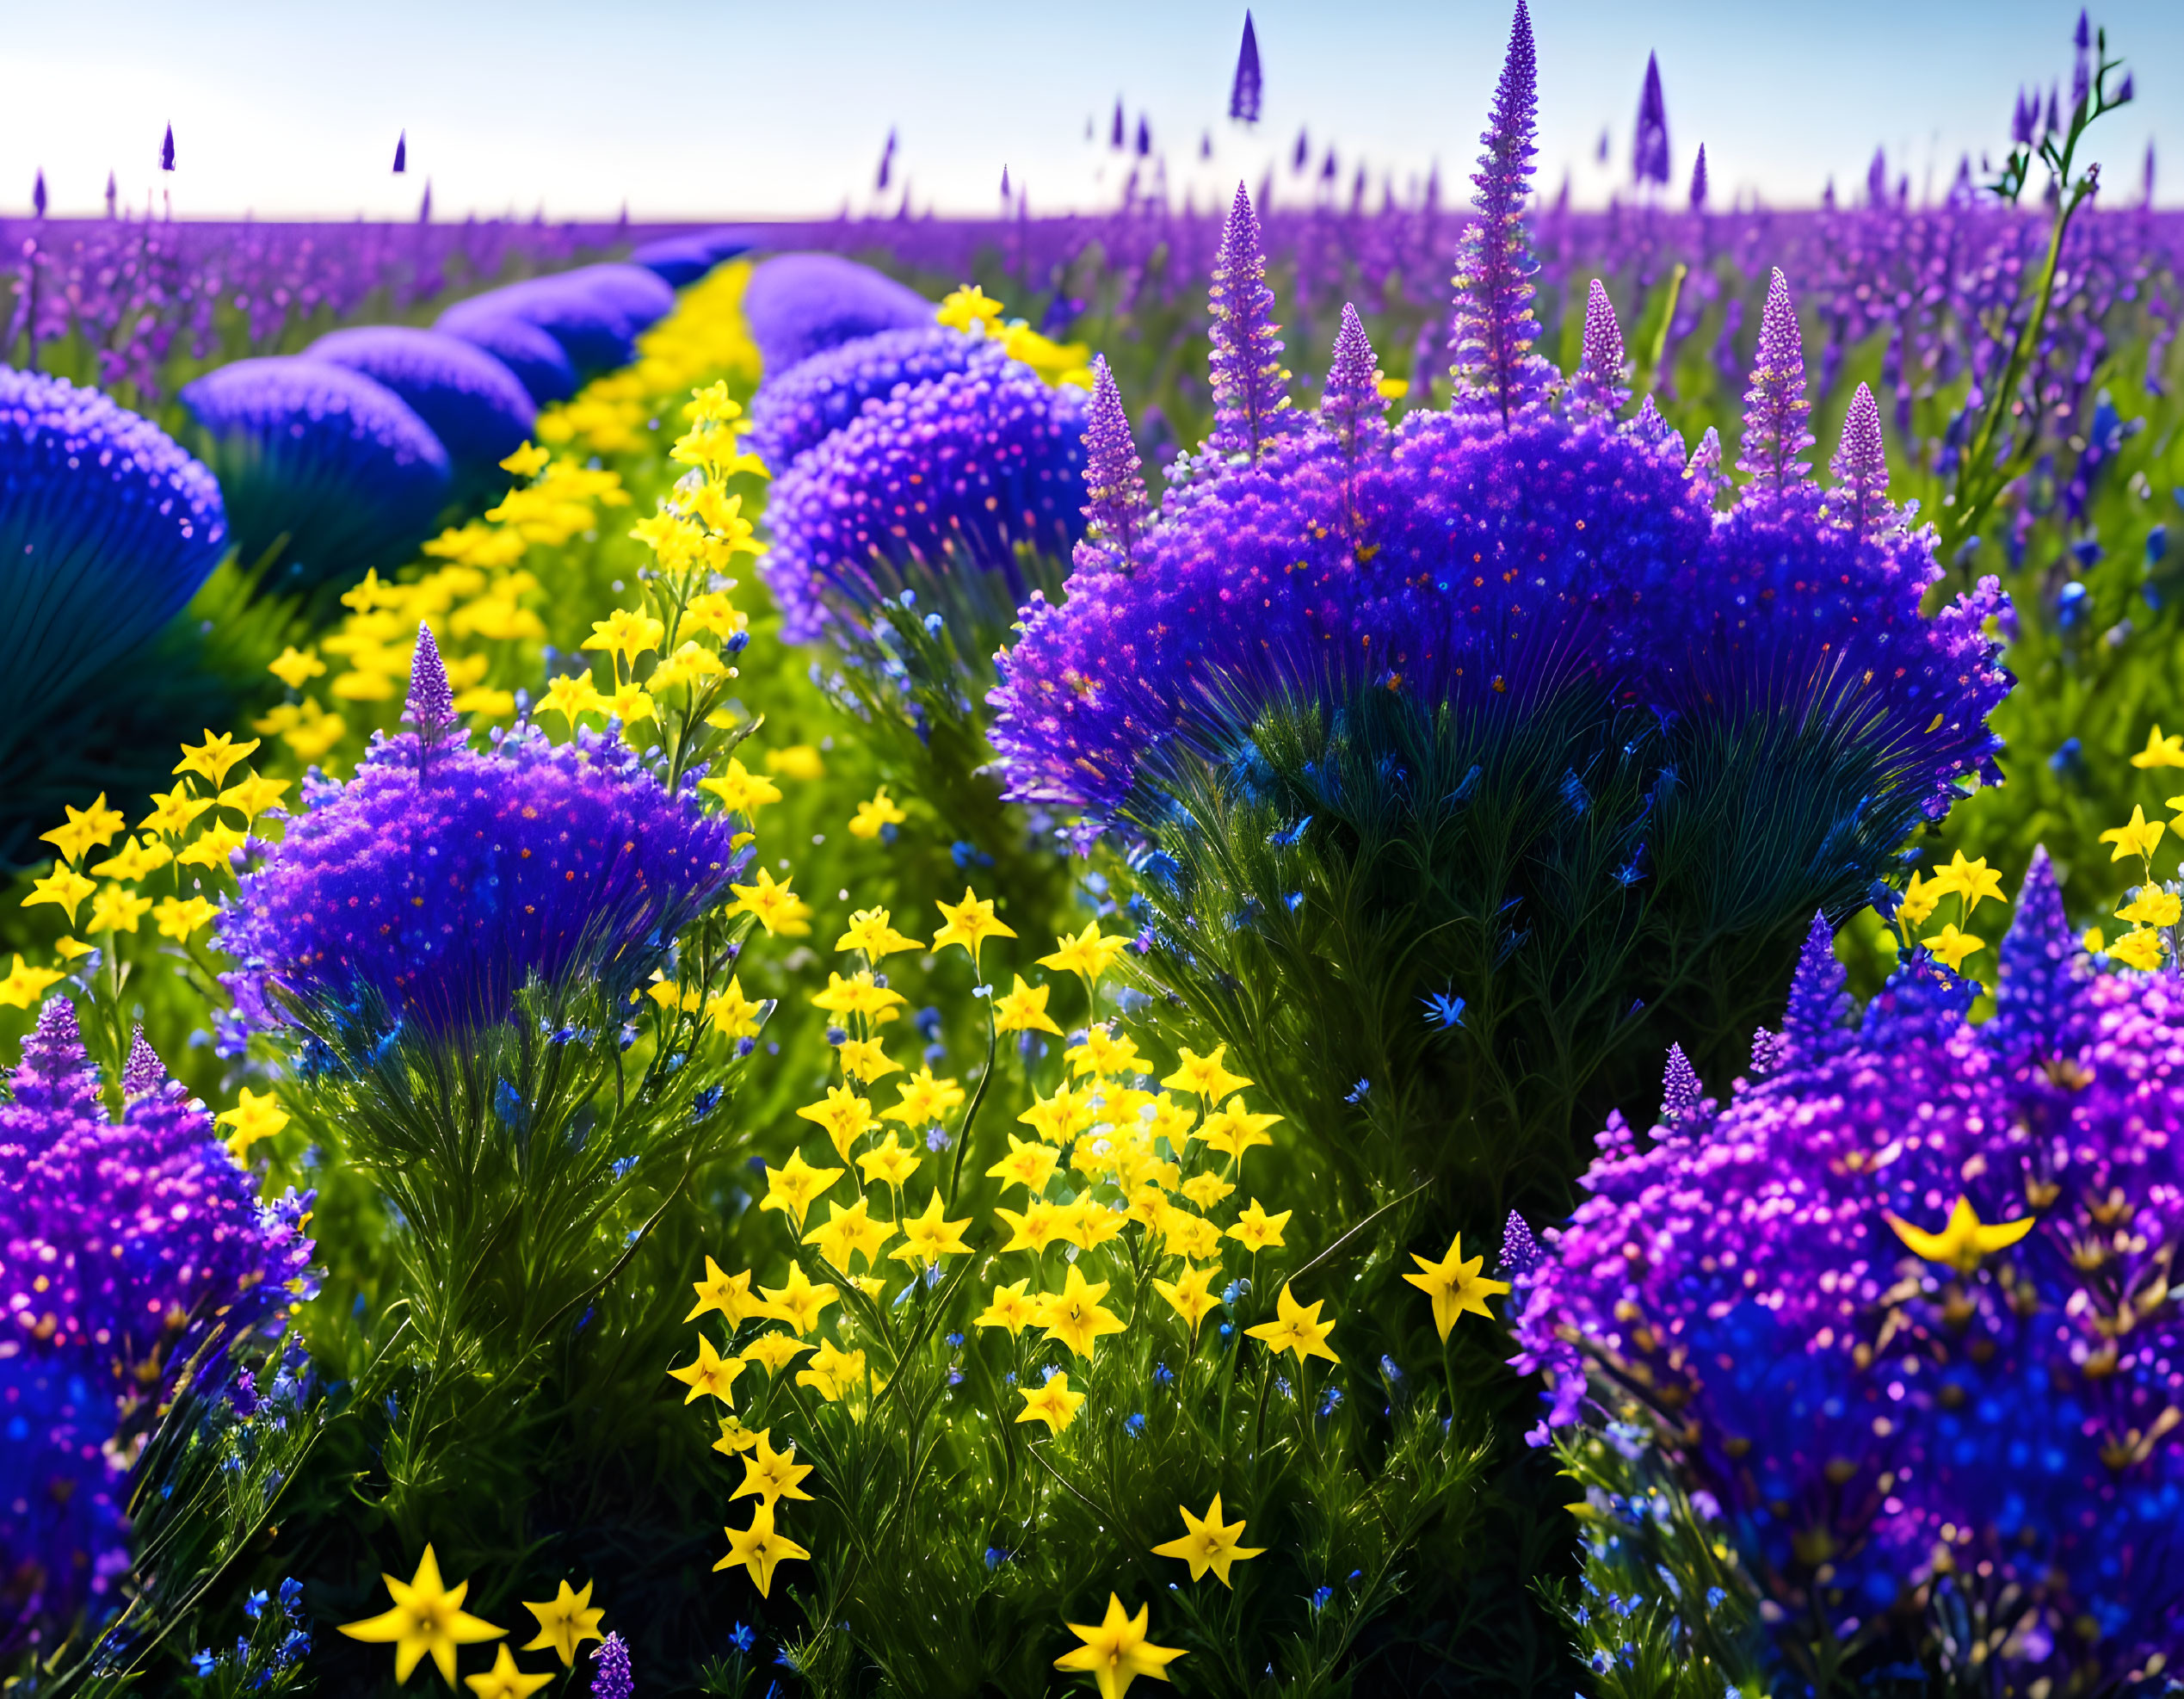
point(1904, 1309)
point(439, 882)
point(472, 403)
point(799, 304)
point(107, 529)
point(328, 467)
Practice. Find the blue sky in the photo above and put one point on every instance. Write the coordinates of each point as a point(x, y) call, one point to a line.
point(717, 107)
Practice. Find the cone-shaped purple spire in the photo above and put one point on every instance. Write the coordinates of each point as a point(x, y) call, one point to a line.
point(1114, 479)
point(401, 153)
point(1704, 468)
point(1819, 1005)
point(143, 1072)
point(54, 1073)
point(1243, 94)
point(1649, 145)
point(1496, 371)
point(1520, 1250)
point(1250, 389)
point(1775, 407)
point(1117, 137)
point(1699, 181)
point(38, 195)
point(2038, 1001)
point(1598, 390)
point(431, 704)
point(424, 205)
point(1859, 499)
point(1004, 187)
point(113, 195)
point(1353, 394)
point(167, 151)
point(887, 164)
point(1680, 1087)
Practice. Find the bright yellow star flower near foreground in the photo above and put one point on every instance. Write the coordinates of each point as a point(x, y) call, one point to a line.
point(1963, 1240)
point(759, 1548)
point(970, 923)
point(1116, 1653)
point(504, 1680)
point(1454, 1285)
point(1208, 1545)
point(2161, 751)
point(427, 1618)
point(2140, 837)
point(1296, 1327)
point(565, 1622)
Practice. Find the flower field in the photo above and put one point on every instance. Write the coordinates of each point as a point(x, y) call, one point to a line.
point(1348, 944)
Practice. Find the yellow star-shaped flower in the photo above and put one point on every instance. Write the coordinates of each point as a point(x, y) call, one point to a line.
point(1963, 1240)
point(257, 1115)
point(1454, 1285)
point(740, 790)
point(927, 1238)
point(504, 1680)
point(625, 633)
point(2161, 751)
point(1256, 1230)
point(850, 1232)
point(211, 761)
point(892, 1163)
point(427, 1617)
point(874, 816)
point(136, 859)
point(864, 1061)
point(711, 1373)
point(25, 985)
point(774, 1351)
point(64, 887)
point(1075, 1315)
point(571, 694)
point(772, 1475)
point(759, 1548)
point(173, 811)
point(565, 1622)
point(846, 1116)
point(91, 828)
point(1206, 1544)
point(117, 908)
point(179, 917)
point(925, 1100)
point(2138, 838)
point(1024, 1010)
point(1974, 881)
point(1296, 1328)
point(728, 1294)
point(869, 930)
point(791, 1186)
point(1204, 1076)
point(969, 308)
point(1190, 1295)
point(1054, 1404)
point(2141, 949)
point(1012, 1306)
point(253, 794)
point(296, 667)
point(1235, 1130)
point(1116, 1653)
point(528, 461)
point(1028, 1163)
point(970, 923)
point(1952, 946)
point(1040, 1225)
point(1088, 955)
point(799, 1303)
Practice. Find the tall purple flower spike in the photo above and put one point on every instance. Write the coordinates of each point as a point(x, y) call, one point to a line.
point(1650, 146)
point(1680, 1087)
point(1704, 468)
point(143, 1072)
point(1859, 499)
point(1497, 373)
point(1775, 407)
point(1819, 1005)
point(2038, 1001)
point(1520, 1250)
point(1353, 395)
point(1699, 181)
point(1250, 389)
point(1243, 95)
point(1598, 390)
point(55, 1075)
point(611, 1678)
point(431, 704)
point(1114, 479)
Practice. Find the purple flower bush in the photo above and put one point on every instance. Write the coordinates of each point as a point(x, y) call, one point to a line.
point(470, 400)
point(799, 304)
point(134, 1255)
point(1895, 1410)
point(439, 882)
point(324, 470)
point(814, 399)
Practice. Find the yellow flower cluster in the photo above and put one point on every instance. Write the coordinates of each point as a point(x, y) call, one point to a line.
point(1970, 883)
point(428, 1620)
point(971, 309)
point(2154, 909)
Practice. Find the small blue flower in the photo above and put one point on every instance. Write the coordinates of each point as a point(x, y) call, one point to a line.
point(1358, 1093)
point(1443, 1010)
point(743, 1639)
point(1320, 1596)
point(203, 1663)
point(1162, 1373)
point(1134, 1425)
point(622, 1166)
point(995, 1556)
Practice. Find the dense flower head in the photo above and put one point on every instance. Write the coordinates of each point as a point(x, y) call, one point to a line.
point(962, 468)
point(107, 529)
point(437, 883)
point(676, 260)
point(535, 358)
point(471, 400)
point(799, 304)
point(1903, 1307)
point(817, 397)
point(326, 458)
point(127, 1249)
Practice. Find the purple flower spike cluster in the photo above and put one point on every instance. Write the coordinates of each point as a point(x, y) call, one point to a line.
point(435, 885)
point(611, 1678)
point(1888, 1405)
point(126, 1248)
point(1250, 389)
point(799, 304)
point(1522, 546)
point(800, 408)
